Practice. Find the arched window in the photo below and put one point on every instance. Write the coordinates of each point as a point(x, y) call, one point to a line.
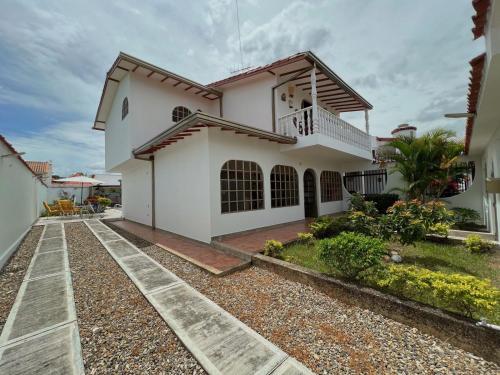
point(179, 113)
point(284, 186)
point(241, 186)
point(124, 108)
point(331, 186)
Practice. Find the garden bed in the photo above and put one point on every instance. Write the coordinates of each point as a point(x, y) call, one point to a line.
point(457, 330)
point(441, 257)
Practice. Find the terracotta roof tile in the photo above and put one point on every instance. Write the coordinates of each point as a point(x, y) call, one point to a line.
point(39, 167)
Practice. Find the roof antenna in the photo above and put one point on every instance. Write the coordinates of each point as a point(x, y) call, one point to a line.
point(239, 40)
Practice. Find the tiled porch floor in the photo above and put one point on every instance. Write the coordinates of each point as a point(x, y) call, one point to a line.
point(198, 253)
point(253, 241)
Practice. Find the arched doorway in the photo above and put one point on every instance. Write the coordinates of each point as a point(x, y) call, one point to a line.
point(310, 205)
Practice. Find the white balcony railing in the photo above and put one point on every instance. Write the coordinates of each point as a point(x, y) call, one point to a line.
point(300, 124)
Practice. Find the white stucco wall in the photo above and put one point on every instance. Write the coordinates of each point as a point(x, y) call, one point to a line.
point(182, 188)
point(117, 134)
point(152, 104)
point(226, 146)
point(491, 163)
point(21, 196)
point(250, 101)
point(136, 192)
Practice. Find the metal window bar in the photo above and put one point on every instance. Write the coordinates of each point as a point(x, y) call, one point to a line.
point(366, 182)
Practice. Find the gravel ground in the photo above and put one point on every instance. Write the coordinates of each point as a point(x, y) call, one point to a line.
point(12, 274)
point(120, 331)
point(325, 334)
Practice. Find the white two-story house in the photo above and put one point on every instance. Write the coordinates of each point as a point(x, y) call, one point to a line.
point(260, 148)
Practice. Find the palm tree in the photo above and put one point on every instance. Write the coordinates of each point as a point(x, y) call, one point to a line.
point(426, 163)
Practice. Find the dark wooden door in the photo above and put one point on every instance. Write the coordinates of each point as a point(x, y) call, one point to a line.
point(310, 207)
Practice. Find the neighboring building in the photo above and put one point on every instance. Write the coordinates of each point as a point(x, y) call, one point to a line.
point(482, 142)
point(43, 169)
point(110, 188)
point(21, 195)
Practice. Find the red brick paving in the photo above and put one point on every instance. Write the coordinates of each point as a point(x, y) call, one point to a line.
point(200, 252)
point(253, 241)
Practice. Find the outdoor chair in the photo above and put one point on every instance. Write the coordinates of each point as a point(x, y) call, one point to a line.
point(67, 207)
point(52, 210)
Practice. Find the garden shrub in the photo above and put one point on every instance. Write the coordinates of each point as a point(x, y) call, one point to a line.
point(465, 218)
point(413, 220)
point(475, 244)
point(320, 227)
point(382, 201)
point(351, 253)
point(104, 202)
point(305, 238)
point(327, 226)
point(358, 203)
point(362, 223)
point(273, 248)
point(466, 294)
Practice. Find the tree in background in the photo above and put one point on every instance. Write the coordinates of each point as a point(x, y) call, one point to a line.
point(427, 164)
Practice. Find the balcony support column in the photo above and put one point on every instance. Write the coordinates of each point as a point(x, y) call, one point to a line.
point(367, 123)
point(314, 97)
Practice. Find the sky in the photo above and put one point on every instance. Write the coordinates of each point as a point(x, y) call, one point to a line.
point(409, 59)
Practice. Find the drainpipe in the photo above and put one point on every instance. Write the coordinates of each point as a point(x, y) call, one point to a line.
point(153, 193)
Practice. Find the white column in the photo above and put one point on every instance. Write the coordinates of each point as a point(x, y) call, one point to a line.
point(367, 124)
point(314, 95)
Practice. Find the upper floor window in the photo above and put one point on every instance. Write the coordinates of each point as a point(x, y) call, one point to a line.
point(241, 186)
point(331, 186)
point(124, 108)
point(284, 186)
point(179, 113)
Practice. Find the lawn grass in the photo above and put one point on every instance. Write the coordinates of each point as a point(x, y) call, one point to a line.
point(443, 257)
point(450, 259)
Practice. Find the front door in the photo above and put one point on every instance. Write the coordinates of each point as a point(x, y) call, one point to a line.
point(310, 208)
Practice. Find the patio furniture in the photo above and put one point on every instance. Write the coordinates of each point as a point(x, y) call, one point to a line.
point(86, 209)
point(67, 207)
point(53, 210)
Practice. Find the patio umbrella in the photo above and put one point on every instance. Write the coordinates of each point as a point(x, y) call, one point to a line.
point(81, 180)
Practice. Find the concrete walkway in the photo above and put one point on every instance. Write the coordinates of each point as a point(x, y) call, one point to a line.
point(221, 343)
point(41, 335)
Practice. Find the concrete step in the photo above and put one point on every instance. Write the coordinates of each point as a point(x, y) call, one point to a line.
point(464, 233)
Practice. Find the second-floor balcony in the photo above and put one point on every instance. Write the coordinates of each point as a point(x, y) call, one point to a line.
point(324, 128)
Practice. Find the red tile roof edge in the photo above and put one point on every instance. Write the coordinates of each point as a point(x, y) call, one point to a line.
point(39, 167)
point(477, 64)
point(481, 7)
point(13, 150)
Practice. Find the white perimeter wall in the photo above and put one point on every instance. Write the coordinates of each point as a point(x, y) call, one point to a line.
point(136, 191)
point(182, 187)
point(226, 146)
point(55, 193)
point(21, 195)
point(491, 166)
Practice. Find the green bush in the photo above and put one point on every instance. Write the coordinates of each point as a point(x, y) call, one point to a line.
point(466, 294)
point(382, 201)
point(273, 248)
point(465, 218)
point(305, 238)
point(475, 244)
point(413, 220)
point(358, 203)
point(327, 226)
point(104, 202)
point(362, 223)
point(351, 253)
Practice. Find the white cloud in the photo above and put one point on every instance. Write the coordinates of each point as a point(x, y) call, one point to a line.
point(69, 145)
point(409, 60)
